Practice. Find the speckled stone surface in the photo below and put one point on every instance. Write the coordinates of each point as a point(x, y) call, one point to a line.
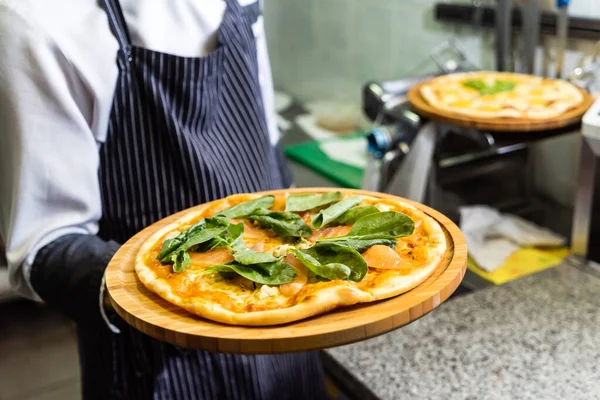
point(535, 338)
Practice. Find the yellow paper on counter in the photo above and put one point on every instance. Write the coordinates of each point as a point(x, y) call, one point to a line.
point(521, 263)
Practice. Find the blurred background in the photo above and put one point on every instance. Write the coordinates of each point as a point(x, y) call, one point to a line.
point(342, 70)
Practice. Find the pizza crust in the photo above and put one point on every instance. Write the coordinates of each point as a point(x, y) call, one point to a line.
point(332, 295)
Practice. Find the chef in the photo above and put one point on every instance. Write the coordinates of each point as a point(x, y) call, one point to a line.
point(115, 114)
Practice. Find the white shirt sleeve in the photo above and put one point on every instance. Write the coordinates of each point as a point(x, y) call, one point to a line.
point(265, 79)
point(48, 154)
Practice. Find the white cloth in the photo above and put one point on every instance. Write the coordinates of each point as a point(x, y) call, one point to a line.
point(347, 151)
point(57, 77)
point(492, 237)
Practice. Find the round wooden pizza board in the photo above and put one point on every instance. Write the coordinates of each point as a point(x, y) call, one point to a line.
point(572, 116)
point(162, 320)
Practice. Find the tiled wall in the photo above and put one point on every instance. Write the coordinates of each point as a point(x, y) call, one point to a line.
point(330, 48)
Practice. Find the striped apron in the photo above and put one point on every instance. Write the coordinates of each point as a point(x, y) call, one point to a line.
point(184, 131)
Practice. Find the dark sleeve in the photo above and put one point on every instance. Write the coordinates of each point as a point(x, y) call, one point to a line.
point(67, 274)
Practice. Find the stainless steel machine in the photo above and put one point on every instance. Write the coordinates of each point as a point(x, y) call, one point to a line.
point(458, 159)
point(585, 240)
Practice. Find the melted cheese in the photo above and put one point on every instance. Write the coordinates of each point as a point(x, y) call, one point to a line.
point(384, 207)
point(267, 291)
point(172, 235)
point(281, 250)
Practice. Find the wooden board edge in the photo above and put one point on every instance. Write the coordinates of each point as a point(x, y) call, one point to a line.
point(570, 117)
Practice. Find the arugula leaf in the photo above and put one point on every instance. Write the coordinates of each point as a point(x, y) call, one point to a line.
point(275, 273)
point(477, 84)
point(305, 202)
point(354, 214)
point(231, 237)
point(181, 261)
point(504, 86)
point(358, 243)
point(326, 216)
point(333, 261)
point(202, 231)
point(245, 208)
point(247, 256)
point(169, 246)
point(205, 230)
point(257, 266)
point(387, 224)
point(483, 88)
point(379, 228)
point(331, 271)
point(283, 223)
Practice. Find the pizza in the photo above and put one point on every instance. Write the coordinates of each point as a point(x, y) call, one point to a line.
point(501, 95)
point(259, 260)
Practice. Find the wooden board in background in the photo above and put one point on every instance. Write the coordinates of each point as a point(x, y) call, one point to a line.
point(162, 320)
point(573, 116)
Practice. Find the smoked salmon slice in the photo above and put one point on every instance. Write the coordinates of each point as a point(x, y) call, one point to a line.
point(252, 232)
point(210, 258)
point(333, 231)
point(384, 257)
point(290, 289)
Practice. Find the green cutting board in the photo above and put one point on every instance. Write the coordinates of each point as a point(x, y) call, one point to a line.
point(310, 155)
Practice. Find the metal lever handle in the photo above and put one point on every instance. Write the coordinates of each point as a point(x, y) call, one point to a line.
point(384, 147)
point(562, 32)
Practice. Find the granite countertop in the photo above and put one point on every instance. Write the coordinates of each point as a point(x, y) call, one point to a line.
point(535, 338)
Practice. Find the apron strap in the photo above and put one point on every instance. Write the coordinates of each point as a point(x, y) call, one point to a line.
point(233, 4)
point(253, 11)
point(117, 23)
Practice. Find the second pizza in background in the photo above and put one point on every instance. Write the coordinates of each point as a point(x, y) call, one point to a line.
point(501, 95)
